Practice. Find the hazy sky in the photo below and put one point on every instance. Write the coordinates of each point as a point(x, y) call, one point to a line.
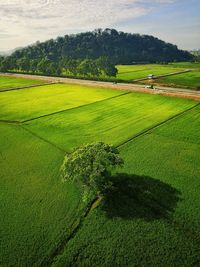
point(23, 22)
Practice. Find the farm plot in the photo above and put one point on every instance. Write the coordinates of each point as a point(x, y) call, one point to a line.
point(12, 82)
point(132, 72)
point(37, 209)
point(186, 65)
point(185, 80)
point(38, 101)
point(112, 121)
point(152, 217)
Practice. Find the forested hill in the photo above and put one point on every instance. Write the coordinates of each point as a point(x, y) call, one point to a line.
point(120, 47)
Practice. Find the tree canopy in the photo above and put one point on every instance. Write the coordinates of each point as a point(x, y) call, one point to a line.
point(91, 165)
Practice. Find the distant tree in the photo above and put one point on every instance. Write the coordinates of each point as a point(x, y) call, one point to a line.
point(6, 63)
point(33, 65)
point(91, 165)
point(2, 64)
point(84, 67)
point(23, 64)
point(106, 66)
point(42, 65)
point(88, 67)
point(64, 64)
point(73, 66)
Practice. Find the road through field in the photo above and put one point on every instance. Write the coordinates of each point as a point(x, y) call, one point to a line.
point(177, 92)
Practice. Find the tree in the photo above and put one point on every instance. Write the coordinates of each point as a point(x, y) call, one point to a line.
point(6, 63)
point(88, 67)
point(73, 66)
point(84, 67)
point(3, 66)
point(91, 165)
point(106, 67)
point(42, 65)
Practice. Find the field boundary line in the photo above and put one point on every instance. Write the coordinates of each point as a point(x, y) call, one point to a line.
point(43, 139)
point(26, 87)
point(10, 122)
point(156, 126)
point(77, 225)
point(77, 107)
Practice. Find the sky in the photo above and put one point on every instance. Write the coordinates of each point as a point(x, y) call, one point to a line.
point(23, 22)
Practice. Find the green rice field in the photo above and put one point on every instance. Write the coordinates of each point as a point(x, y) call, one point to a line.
point(111, 121)
point(152, 217)
point(133, 72)
point(187, 80)
point(186, 65)
point(35, 210)
point(33, 102)
point(12, 82)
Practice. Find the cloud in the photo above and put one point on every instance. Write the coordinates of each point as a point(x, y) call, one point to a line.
point(74, 14)
point(6, 35)
point(43, 19)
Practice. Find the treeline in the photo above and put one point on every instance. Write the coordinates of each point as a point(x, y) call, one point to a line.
point(67, 66)
point(86, 48)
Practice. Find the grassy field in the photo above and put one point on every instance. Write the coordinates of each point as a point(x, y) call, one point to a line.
point(152, 218)
point(186, 65)
point(132, 72)
point(12, 82)
point(189, 80)
point(36, 207)
point(112, 121)
point(29, 103)
point(186, 80)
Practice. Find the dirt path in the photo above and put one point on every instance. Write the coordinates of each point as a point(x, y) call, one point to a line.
point(176, 92)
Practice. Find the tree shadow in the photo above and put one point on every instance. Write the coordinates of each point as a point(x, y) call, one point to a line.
point(135, 196)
